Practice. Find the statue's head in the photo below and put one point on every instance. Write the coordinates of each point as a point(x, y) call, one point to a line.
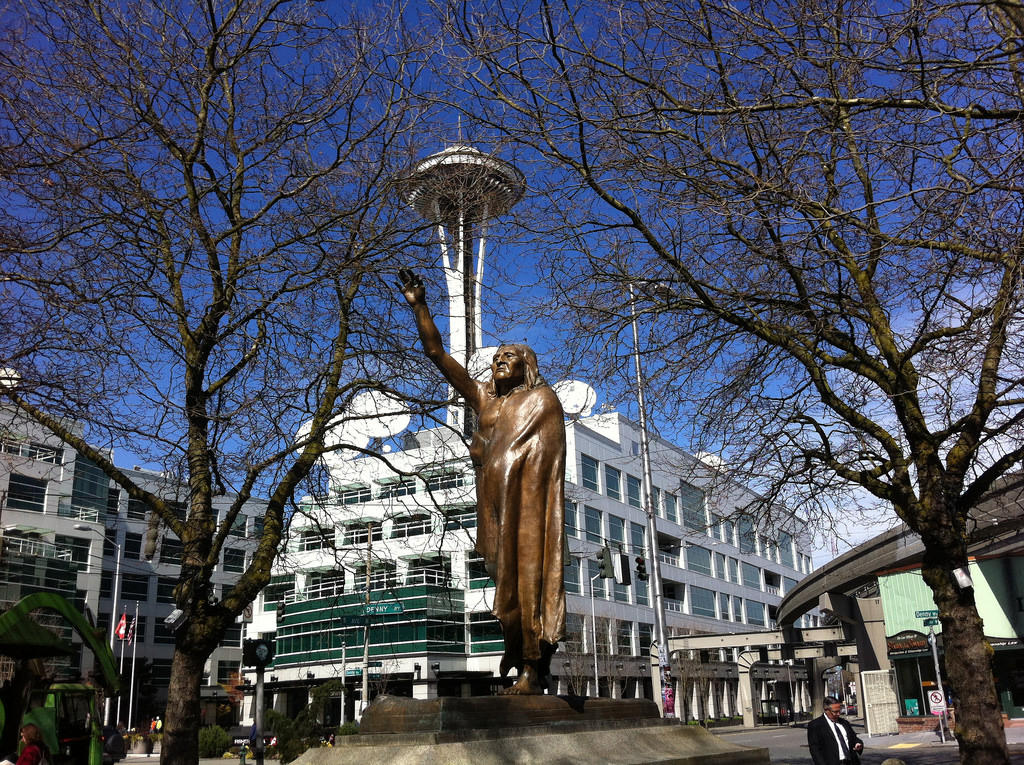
point(512, 366)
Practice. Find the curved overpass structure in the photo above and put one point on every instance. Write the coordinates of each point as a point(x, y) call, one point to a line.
point(997, 523)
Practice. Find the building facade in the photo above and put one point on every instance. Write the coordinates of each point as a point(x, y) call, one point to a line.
point(381, 574)
point(68, 529)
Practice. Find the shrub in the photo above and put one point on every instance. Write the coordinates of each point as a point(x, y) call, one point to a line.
point(348, 729)
point(213, 741)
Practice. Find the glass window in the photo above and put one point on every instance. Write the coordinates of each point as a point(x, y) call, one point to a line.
point(451, 479)
point(113, 502)
point(723, 606)
point(751, 576)
point(165, 589)
point(692, 501)
point(234, 560)
point(633, 491)
point(33, 451)
point(171, 551)
point(74, 549)
point(232, 636)
point(715, 529)
point(226, 671)
point(613, 482)
point(727, 532)
point(457, 517)
point(238, 526)
point(572, 528)
point(656, 500)
point(597, 582)
point(788, 585)
point(636, 538)
point(592, 518)
point(616, 528)
point(572, 577)
point(137, 509)
point(670, 508)
point(355, 495)
point(280, 585)
point(315, 538)
point(786, 549)
point(624, 637)
point(755, 613)
point(747, 538)
point(89, 490)
point(734, 570)
point(645, 635)
point(702, 602)
point(720, 570)
point(359, 534)
point(737, 609)
point(162, 634)
point(133, 546)
point(106, 584)
point(403, 487)
point(26, 493)
point(640, 592)
point(589, 472)
point(160, 671)
point(134, 587)
point(698, 559)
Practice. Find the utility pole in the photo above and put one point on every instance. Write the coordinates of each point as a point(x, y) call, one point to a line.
point(660, 632)
point(366, 623)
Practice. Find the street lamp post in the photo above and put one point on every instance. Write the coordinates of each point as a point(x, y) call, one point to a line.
point(113, 608)
point(660, 630)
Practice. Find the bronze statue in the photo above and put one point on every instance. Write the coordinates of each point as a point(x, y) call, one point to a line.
point(518, 452)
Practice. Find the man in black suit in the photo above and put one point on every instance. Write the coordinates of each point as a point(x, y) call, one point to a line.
point(831, 739)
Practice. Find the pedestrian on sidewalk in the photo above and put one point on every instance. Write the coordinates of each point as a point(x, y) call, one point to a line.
point(831, 738)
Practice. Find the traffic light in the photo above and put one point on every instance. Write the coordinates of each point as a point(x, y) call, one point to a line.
point(604, 561)
point(641, 568)
point(258, 652)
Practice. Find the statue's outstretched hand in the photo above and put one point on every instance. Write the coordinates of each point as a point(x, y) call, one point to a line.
point(412, 287)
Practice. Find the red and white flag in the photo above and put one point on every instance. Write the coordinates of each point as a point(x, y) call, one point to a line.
point(131, 630)
point(122, 627)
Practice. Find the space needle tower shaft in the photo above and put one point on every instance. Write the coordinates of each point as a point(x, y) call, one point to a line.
point(460, 190)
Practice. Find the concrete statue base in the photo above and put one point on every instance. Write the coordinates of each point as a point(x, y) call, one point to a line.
point(488, 730)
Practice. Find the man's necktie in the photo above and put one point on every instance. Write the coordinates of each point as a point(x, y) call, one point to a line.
point(844, 750)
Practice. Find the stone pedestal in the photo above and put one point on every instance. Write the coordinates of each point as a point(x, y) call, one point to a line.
point(556, 730)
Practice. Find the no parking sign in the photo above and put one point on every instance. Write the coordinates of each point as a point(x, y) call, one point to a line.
point(936, 703)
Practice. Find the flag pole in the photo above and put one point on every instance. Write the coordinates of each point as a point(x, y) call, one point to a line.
point(120, 636)
point(131, 692)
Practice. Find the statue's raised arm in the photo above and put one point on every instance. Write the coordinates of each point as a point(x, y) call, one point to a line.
point(416, 295)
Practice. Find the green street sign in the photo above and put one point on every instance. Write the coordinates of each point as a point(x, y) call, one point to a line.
point(931, 622)
point(925, 614)
point(350, 620)
point(383, 608)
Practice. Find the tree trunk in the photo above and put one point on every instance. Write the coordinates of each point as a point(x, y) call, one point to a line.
point(968, 658)
point(181, 723)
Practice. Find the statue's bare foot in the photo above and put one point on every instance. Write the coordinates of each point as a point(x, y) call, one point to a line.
point(528, 684)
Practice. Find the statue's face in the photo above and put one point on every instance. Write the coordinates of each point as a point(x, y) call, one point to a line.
point(508, 366)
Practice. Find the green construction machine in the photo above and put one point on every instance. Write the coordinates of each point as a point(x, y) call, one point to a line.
point(67, 713)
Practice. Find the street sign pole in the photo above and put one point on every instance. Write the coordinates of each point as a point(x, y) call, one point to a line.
point(938, 679)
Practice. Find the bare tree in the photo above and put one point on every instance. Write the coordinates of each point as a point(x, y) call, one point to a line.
point(194, 246)
point(818, 205)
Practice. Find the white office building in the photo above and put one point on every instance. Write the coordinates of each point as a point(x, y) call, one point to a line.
point(398, 534)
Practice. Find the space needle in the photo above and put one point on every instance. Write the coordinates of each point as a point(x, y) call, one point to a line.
point(459, 190)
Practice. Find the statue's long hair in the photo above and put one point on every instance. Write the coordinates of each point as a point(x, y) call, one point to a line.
point(532, 377)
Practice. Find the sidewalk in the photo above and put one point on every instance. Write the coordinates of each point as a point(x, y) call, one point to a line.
point(1014, 739)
